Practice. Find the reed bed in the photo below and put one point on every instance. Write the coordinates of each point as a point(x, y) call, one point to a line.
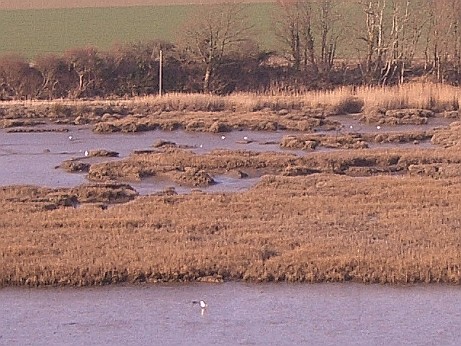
point(319, 228)
point(436, 97)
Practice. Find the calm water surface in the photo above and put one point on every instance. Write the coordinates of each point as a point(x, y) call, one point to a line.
point(31, 158)
point(238, 314)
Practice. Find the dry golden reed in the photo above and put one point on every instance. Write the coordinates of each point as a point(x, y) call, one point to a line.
point(437, 97)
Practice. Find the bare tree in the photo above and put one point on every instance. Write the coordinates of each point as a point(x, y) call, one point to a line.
point(307, 29)
point(18, 78)
point(329, 34)
point(215, 32)
point(86, 63)
point(442, 50)
point(407, 23)
point(56, 76)
point(393, 30)
point(295, 29)
point(374, 37)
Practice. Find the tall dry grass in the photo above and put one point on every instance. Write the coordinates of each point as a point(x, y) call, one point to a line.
point(436, 97)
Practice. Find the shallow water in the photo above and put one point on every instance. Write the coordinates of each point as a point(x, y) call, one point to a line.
point(242, 314)
point(31, 158)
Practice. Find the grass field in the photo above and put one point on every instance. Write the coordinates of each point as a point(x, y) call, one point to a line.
point(42, 31)
point(43, 4)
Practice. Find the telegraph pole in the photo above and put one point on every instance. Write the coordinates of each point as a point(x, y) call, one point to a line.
point(160, 73)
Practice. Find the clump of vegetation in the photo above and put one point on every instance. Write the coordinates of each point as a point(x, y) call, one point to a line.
point(348, 105)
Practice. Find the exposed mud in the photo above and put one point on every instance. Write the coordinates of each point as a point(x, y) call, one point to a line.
point(397, 116)
point(49, 199)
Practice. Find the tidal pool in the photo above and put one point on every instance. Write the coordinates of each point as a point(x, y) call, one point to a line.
point(237, 314)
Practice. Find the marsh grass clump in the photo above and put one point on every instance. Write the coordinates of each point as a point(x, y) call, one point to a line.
point(348, 105)
point(61, 110)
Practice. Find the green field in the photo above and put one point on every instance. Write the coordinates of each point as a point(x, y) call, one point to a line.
point(34, 32)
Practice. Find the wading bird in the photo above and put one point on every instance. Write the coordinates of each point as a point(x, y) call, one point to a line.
point(202, 303)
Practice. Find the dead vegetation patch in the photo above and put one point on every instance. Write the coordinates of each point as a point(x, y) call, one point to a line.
point(102, 153)
point(311, 142)
point(74, 166)
point(209, 122)
point(12, 123)
point(191, 176)
point(340, 140)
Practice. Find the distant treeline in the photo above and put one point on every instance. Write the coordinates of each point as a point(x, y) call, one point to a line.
point(133, 70)
point(400, 40)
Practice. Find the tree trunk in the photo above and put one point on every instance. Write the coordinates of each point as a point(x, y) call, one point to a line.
point(207, 79)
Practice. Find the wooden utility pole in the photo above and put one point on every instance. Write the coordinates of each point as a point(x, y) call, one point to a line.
point(160, 73)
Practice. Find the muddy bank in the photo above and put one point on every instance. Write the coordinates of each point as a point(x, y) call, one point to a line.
point(120, 116)
point(449, 136)
point(50, 199)
point(353, 140)
point(197, 170)
point(187, 168)
point(397, 116)
point(316, 228)
point(203, 115)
